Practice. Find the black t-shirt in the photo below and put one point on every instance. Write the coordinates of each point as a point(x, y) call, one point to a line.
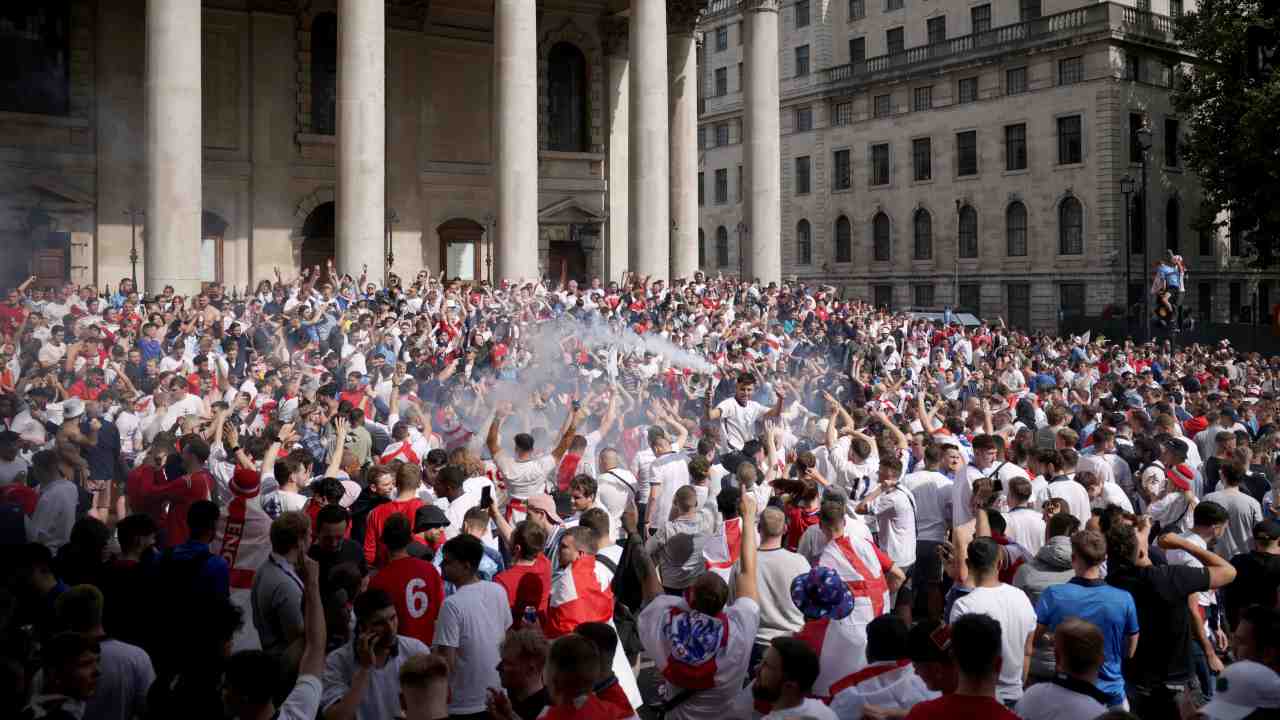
point(348, 552)
point(1160, 594)
point(1257, 578)
point(531, 707)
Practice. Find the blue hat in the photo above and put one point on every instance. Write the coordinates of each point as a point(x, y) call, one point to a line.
point(820, 593)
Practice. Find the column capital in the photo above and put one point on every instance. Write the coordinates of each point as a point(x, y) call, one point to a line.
point(761, 5)
point(682, 15)
point(614, 36)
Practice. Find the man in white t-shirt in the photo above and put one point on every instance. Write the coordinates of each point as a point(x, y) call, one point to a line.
point(986, 463)
point(1023, 523)
point(616, 486)
point(895, 512)
point(472, 624)
point(526, 474)
point(1008, 606)
point(739, 414)
point(688, 639)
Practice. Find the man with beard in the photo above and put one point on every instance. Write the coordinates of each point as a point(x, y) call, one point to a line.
point(786, 677)
point(362, 678)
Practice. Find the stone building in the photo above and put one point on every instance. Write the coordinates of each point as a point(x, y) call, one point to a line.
point(967, 154)
point(224, 139)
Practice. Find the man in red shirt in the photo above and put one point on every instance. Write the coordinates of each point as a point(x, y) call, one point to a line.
point(975, 647)
point(12, 314)
point(406, 503)
point(528, 580)
point(414, 585)
point(181, 493)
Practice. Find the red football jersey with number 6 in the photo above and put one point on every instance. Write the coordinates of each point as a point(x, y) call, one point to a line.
point(417, 591)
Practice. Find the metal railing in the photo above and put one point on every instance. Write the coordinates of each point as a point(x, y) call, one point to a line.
point(1083, 19)
point(718, 8)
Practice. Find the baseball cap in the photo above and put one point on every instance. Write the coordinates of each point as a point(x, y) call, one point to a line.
point(1267, 531)
point(429, 517)
point(1243, 688)
point(546, 504)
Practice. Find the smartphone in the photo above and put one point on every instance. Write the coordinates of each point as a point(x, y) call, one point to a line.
point(486, 497)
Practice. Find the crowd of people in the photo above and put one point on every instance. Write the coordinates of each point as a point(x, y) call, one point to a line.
point(326, 497)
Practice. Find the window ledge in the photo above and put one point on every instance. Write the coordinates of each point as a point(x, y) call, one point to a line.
point(1069, 166)
point(567, 155)
point(316, 139)
point(968, 178)
point(1010, 173)
point(23, 118)
point(841, 190)
point(915, 183)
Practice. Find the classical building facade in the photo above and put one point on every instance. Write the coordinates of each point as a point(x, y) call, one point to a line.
point(965, 153)
point(226, 138)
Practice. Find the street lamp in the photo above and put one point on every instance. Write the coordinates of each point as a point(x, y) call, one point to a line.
point(743, 232)
point(1126, 190)
point(134, 213)
point(955, 284)
point(1144, 144)
point(393, 218)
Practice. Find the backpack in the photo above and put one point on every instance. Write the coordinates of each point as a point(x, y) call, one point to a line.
point(1129, 454)
point(624, 620)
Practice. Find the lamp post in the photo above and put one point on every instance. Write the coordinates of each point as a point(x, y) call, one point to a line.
point(393, 218)
point(134, 213)
point(1144, 143)
point(955, 283)
point(491, 222)
point(1126, 191)
point(743, 232)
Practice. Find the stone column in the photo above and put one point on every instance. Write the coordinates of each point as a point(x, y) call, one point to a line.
point(516, 173)
point(174, 144)
point(362, 129)
point(682, 54)
point(763, 249)
point(614, 31)
point(650, 223)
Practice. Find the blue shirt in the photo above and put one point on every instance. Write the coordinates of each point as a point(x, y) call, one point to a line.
point(1110, 609)
point(1172, 276)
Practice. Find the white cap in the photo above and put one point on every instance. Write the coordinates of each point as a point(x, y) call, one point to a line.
point(72, 408)
point(1243, 688)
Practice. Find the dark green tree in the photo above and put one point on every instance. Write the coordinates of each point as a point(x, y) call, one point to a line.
point(1233, 122)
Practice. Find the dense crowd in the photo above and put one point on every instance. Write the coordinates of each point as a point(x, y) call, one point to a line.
point(326, 497)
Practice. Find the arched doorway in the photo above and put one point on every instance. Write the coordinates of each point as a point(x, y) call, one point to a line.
point(213, 230)
point(460, 248)
point(317, 238)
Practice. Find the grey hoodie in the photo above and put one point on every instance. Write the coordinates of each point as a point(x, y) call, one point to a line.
point(1051, 566)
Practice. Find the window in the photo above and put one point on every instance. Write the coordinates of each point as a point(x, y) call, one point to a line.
point(1020, 305)
point(841, 177)
point(1204, 302)
point(742, 77)
point(967, 153)
point(722, 186)
point(968, 90)
point(702, 248)
point(857, 9)
point(1071, 299)
point(802, 175)
point(702, 195)
point(880, 237)
point(1235, 300)
point(802, 13)
point(857, 49)
point(802, 61)
point(1168, 74)
point(882, 296)
point(1028, 10)
point(937, 29)
point(922, 159)
point(894, 40)
point(1175, 8)
point(922, 226)
point(1138, 230)
point(739, 185)
point(1015, 147)
point(722, 81)
point(1136, 123)
point(922, 295)
point(922, 98)
point(1235, 240)
point(324, 74)
point(882, 106)
point(842, 113)
point(1070, 149)
point(722, 134)
point(1015, 229)
point(1171, 142)
point(1015, 80)
point(804, 119)
point(804, 243)
point(742, 36)
point(891, 5)
point(970, 299)
point(702, 137)
point(1144, 6)
point(968, 232)
point(567, 120)
point(844, 240)
point(1070, 70)
point(1172, 225)
point(722, 38)
point(1205, 237)
point(722, 247)
point(880, 164)
point(1070, 227)
point(981, 17)
point(1132, 66)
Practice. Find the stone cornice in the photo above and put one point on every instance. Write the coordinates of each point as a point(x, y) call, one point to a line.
point(682, 15)
point(761, 5)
